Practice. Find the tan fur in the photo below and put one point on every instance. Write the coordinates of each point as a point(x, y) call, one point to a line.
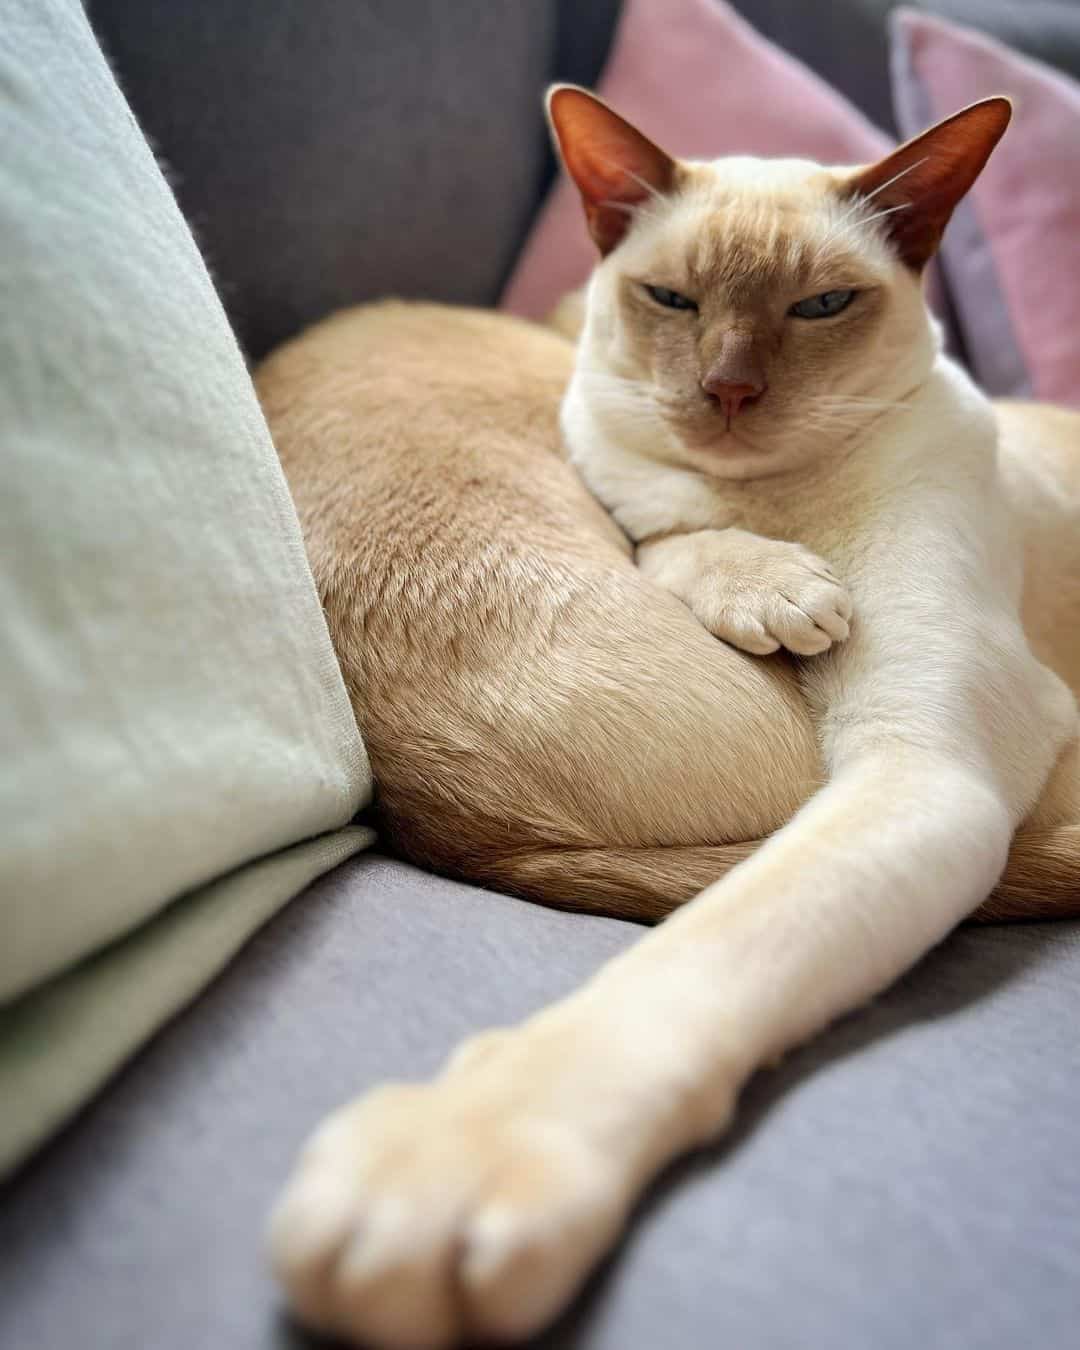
point(543, 714)
point(539, 717)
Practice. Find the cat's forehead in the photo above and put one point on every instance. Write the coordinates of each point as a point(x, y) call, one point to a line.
point(748, 223)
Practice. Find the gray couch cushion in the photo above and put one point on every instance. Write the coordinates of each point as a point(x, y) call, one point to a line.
point(328, 154)
point(910, 1179)
point(334, 153)
point(846, 41)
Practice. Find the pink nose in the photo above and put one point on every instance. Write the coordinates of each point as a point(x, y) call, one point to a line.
point(730, 397)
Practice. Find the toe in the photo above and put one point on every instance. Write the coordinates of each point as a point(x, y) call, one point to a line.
point(307, 1230)
point(529, 1248)
point(797, 631)
point(747, 633)
point(829, 618)
point(394, 1282)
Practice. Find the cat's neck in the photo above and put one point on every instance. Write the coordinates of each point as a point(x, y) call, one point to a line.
point(939, 431)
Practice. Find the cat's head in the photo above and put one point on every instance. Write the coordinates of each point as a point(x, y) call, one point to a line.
point(757, 309)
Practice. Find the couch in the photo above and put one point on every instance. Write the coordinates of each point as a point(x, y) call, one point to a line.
point(910, 1178)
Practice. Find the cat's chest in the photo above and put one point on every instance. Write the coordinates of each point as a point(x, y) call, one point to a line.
point(646, 496)
point(649, 498)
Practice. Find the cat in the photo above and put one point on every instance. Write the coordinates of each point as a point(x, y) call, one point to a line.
point(544, 718)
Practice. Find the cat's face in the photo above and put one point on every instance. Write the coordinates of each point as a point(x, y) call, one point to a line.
point(755, 311)
point(749, 315)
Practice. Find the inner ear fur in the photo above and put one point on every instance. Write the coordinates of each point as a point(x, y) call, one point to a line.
point(614, 167)
point(921, 183)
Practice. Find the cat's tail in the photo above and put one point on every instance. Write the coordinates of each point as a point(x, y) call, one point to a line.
point(1041, 880)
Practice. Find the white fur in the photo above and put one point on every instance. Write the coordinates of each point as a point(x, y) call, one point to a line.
point(939, 726)
point(472, 1207)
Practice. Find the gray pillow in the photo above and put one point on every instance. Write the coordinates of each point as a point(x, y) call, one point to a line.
point(170, 705)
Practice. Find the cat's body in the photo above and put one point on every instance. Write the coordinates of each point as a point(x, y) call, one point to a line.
point(543, 718)
point(926, 527)
point(725, 301)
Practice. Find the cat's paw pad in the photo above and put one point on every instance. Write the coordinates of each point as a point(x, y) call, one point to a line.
point(422, 1217)
point(778, 595)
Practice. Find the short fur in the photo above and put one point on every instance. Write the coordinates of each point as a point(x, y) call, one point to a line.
point(421, 526)
point(543, 718)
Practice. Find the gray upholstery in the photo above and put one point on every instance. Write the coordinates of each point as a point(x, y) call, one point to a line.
point(912, 1178)
point(334, 152)
point(846, 42)
point(331, 152)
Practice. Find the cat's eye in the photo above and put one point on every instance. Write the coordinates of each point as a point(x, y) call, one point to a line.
point(822, 306)
point(670, 299)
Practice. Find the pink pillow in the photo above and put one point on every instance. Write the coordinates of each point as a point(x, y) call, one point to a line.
point(701, 83)
point(1012, 253)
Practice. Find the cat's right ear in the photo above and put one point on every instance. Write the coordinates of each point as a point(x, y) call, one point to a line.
point(614, 166)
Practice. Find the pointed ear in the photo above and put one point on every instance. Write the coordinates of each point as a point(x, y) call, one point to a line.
point(614, 166)
point(921, 183)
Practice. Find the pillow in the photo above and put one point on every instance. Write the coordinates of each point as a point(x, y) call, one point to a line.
point(702, 83)
point(174, 729)
point(1011, 255)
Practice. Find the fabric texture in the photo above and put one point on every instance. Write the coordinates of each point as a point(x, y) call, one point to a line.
point(70, 1035)
point(337, 153)
point(1011, 254)
point(735, 93)
point(846, 41)
point(910, 1178)
point(170, 705)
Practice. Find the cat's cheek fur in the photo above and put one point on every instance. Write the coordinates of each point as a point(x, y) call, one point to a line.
point(717, 245)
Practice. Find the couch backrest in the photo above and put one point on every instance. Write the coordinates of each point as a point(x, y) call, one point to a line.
point(330, 152)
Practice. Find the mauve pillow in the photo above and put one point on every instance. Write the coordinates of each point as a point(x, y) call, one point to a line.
point(1012, 253)
point(702, 83)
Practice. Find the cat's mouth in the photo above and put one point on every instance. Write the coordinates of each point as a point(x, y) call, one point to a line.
point(720, 442)
point(711, 425)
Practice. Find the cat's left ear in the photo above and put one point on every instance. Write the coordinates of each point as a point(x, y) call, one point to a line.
point(615, 167)
point(921, 183)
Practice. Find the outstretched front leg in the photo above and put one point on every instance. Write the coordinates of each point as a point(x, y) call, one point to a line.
point(758, 594)
point(473, 1207)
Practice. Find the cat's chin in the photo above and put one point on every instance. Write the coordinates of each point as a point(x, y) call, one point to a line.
point(724, 453)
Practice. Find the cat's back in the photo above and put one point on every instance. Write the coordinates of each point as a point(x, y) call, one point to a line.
point(411, 422)
point(1040, 461)
point(1041, 439)
point(506, 661)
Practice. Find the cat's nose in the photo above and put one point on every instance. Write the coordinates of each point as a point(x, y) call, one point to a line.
point(728, 396)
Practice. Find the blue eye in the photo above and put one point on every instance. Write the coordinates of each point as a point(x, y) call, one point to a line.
point(670, 299)
point(822, 306)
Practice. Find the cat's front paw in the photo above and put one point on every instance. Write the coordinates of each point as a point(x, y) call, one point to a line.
point(779, 596)
point(758, 594)
point(424, 1216)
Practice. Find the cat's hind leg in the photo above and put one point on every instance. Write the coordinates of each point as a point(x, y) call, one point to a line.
point(644, 885)
point(1042, 879)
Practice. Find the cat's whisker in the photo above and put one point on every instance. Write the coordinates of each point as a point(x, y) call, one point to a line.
point(869, 196)
point(629, 386)
point(848, 221)
point(627, 208)
point(604, 377)
point(863, 198)
point(652, 191)
point(856, 401)
point(878, 215)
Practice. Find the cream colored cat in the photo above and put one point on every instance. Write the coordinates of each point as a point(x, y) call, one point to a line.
point(543, 718)
point(739, 291)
